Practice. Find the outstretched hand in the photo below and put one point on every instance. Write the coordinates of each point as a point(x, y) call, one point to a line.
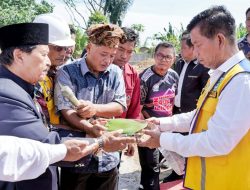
point(76, 149)
point(113, 141)
point(150, 139)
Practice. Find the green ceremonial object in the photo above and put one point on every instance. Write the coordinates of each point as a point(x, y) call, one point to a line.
point(129, 126)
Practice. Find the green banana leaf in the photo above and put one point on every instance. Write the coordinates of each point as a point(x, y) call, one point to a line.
point(129, 126)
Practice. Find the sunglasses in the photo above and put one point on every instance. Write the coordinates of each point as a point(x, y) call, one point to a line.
point(61, 48)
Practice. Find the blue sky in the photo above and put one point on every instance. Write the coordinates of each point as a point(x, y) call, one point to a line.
point(156, 14)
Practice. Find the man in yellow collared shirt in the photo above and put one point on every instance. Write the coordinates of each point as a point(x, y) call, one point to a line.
point(218, 146)
point(60, 42)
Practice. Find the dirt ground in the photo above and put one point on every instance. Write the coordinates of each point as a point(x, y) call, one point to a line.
point(143, 64)
point(130, 172)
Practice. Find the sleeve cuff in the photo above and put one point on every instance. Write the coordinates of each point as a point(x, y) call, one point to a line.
point(166, 141)
point(56, 153)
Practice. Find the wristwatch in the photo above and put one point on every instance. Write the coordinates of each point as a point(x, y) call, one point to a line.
point(100, 143)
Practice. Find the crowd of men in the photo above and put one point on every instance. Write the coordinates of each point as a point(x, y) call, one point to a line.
point(199, 105)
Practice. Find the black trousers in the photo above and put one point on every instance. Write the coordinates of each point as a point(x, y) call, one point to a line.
point(150, 170)
point(96, 181)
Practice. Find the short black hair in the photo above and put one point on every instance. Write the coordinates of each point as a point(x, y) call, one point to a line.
point(164, 45)
point(6, 56)
point(186, 37)
point(130, 35)
point(214, 20)
point(247, 10)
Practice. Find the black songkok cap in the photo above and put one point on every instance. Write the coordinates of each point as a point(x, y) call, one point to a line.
point(23, 34)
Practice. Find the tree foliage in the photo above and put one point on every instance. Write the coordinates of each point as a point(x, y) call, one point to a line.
point(174, 37)
point(97, 17)
point(241, 31)
point(170, 35)
point(18, 11)
point(114, 10)
point(81, 42)
point(138, 27)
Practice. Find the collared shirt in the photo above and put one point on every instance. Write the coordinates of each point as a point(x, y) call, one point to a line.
point(189, 88)
point(132, 86)
point(244, 45)
point(108, 87)
point(26, 159)
point(44, 95)
point(226, 127)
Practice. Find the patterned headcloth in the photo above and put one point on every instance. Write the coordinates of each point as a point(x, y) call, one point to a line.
point(105, 34)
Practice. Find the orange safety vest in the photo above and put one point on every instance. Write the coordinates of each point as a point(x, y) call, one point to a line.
point(227, 172)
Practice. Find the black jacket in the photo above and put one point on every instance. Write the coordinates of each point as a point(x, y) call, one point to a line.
point(195, 79)
point(19, 117)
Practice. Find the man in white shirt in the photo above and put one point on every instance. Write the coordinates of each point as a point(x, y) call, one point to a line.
point(193, 78)
point(27, 159)
point(217, 147)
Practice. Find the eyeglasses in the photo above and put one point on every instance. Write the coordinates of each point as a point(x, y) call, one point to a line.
point(61, 48)
point(162, 57)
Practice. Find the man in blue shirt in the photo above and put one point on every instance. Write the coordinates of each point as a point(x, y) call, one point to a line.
point(99, 86)
point(244, 43)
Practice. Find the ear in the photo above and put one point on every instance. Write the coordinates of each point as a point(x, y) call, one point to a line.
point(18, 56)
point(88, 47)
point(221, 39)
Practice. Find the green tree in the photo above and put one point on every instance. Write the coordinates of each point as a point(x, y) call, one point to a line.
point(81, 42)
point(241, 31)
point(96, 18)
point(138, 28)
point(169, 35)
point(18, 11)
point(114, 10)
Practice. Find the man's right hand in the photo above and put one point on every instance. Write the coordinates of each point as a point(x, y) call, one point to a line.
point(76, 149)
point(113, 141)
